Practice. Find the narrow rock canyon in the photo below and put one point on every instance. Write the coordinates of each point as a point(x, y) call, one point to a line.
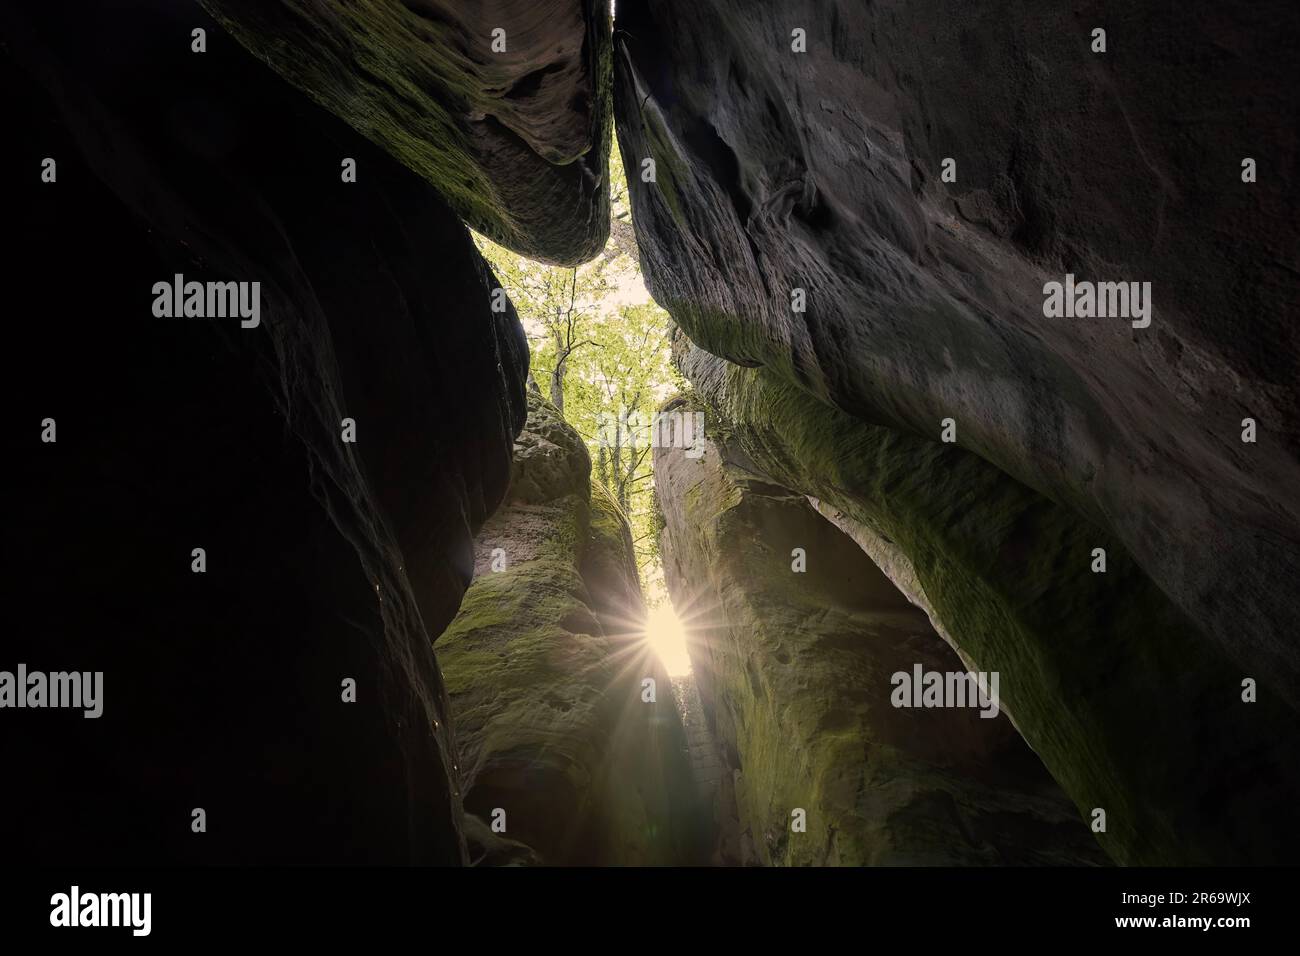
point(284, 477)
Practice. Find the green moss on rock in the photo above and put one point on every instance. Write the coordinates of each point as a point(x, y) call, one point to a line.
point(1130, 706)
point(794, 671)
point(517, 142)
point(543, 668)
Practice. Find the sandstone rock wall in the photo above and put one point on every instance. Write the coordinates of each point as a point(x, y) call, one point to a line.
point(794, 669)
point(821, 170)
point(1131, 708)
point(544, 665)
point(325, 561)
point(503, 106)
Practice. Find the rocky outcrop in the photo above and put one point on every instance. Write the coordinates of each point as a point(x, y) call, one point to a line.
point(324, 561)
point(544, 665)
point(254, 526)
point(797, 636)
point(780, 169)
point(1131, 708)
point(504, 107)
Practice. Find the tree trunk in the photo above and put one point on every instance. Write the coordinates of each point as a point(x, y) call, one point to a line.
point(557, 374)
point(616, 459)
point(619, 474)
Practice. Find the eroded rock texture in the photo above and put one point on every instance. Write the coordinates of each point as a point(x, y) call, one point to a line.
point(325, 561)
point(794, 671)
point(779, 170)
point(512, 127)
point(544, 665)
point(1130, 706)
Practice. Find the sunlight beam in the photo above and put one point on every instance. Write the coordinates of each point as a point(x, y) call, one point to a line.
point(666, 636)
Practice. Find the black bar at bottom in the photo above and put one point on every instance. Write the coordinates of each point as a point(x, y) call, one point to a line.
point(549, 907)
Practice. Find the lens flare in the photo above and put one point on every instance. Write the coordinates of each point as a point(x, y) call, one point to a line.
point(666, 636)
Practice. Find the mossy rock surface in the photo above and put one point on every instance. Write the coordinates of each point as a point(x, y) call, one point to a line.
point(808, 216)
point(794, 670)
point(1128, 703)
point(515, 139)
point(543, 666)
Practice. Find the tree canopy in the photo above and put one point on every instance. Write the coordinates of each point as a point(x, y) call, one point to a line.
point(600, 352)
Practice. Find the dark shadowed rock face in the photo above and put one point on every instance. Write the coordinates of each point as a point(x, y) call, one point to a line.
point(325, 561)
point(795, 675)
point(1130, 706)
point(544, 665)
point(516, 139)
point(821, 171)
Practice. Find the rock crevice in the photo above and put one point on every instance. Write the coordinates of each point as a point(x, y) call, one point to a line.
point(796, 640)
point(545, 664)
point(1131, 708)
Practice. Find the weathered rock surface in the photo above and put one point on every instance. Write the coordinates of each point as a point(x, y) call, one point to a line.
point(329, 561)
point(324, 561)
point(1130, 706)
point(794, 671)
point(544, 665)
point(779, 170)
point(516, 139)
